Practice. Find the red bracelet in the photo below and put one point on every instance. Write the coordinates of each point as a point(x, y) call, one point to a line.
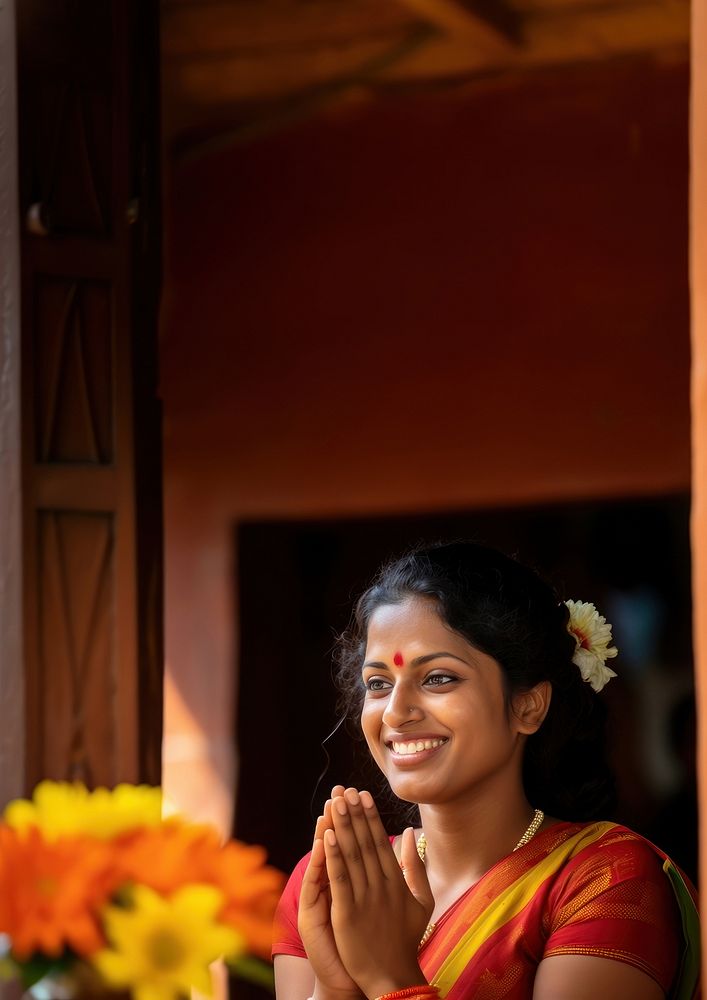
point(411, 993)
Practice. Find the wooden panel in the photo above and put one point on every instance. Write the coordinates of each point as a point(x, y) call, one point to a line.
point(74, 712)
point(73, 359)
point(12, 730)
point(71, 109)
point(71, 166)
point(88, 72)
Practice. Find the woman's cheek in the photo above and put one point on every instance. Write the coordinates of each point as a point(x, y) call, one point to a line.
point(371, 722)
point(367, 721)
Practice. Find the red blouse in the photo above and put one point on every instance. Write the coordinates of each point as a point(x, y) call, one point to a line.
point(611, 899)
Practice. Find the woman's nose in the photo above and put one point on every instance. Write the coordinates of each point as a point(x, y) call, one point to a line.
point(403, 706)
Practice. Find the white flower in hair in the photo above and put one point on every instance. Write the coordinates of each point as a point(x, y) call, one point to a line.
point(592, 633)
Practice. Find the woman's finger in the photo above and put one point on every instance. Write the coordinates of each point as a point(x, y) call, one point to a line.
point(364, 837)
point(315, 876)
point(386, 855)
point(349, 846)
point(415, 871)
point(319, 828)
point(339, 882)
point(329, 822)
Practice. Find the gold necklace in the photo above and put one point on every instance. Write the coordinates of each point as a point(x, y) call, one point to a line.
point(535, 824)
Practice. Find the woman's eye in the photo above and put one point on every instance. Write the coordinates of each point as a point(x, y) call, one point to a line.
point(438, 680)
point(376, 684)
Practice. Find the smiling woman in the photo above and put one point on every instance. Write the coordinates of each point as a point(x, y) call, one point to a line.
point(468, 676)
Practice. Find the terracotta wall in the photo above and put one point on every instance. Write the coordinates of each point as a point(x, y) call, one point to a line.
point(698, 282)
point(450, 299)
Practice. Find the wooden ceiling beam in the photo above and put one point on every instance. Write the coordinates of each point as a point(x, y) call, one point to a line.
point(263, 76)
point(562, 38)
point(263, 63)
point(214, 26)
point(207, 82)
point(466, 25)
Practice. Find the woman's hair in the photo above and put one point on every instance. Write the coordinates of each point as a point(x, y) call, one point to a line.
point(503, 609)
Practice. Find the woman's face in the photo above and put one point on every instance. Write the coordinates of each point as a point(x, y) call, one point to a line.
point(434, 714)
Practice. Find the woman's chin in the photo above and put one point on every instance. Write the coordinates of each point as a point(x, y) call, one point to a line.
point(415, 792)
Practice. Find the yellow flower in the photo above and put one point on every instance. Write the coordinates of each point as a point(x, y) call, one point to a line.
point(162, 947)
point(60, 809)
point(175, 854)
point(592, 635)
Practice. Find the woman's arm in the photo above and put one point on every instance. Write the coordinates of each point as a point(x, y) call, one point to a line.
point(582, 977)
point(294, 979)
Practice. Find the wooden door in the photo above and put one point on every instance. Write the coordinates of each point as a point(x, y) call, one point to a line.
point(88, 75)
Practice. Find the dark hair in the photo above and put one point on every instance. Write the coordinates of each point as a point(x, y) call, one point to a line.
point(508, 611)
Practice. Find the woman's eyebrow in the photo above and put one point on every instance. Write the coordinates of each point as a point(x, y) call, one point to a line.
point(419, 661)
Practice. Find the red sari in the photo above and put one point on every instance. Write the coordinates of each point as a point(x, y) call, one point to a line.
point(576, 889)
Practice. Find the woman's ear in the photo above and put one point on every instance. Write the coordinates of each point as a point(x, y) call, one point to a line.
point(531, 707)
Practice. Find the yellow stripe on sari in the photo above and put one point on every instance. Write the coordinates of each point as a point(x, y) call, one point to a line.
point(590, 889)
point(508, 903)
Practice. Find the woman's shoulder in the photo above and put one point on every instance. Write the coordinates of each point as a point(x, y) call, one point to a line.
point(608, 840)
point(596, 837)
point(607, 866)
point(605, 855)
point(616, 886)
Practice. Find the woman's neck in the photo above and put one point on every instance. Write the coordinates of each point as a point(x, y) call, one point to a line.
point(467, 837)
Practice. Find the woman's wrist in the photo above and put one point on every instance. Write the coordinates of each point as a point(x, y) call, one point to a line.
point(325, 993)
point(383, 985)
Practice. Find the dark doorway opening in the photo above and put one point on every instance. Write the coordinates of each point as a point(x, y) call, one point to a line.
point(297, 582)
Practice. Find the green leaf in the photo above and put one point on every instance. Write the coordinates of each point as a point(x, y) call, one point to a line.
point(39, 966)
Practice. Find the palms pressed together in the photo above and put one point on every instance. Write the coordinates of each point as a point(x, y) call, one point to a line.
point(360, 918)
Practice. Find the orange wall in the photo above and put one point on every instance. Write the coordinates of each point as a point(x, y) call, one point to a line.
point(461, 298)
point(698, 276)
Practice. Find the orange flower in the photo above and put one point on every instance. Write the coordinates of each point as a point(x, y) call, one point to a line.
point(50, 893)
point(252, 890)
point(166, 857)
point(177, 854)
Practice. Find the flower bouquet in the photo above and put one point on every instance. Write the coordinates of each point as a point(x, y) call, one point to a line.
point(97, 889)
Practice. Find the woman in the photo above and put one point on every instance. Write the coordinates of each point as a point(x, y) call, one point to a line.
point(477, 695)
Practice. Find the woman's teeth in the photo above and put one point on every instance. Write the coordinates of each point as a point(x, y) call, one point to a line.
point(417, 747)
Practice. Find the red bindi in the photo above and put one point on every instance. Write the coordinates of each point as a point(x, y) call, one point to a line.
point(398, 660)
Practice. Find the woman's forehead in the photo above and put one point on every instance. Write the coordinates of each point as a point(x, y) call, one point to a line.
point(413, 621)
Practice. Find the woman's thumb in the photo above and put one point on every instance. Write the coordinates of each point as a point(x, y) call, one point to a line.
point(414, 871)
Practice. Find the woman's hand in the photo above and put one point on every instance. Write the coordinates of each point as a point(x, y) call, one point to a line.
point(378, 914)
point(314, 920)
